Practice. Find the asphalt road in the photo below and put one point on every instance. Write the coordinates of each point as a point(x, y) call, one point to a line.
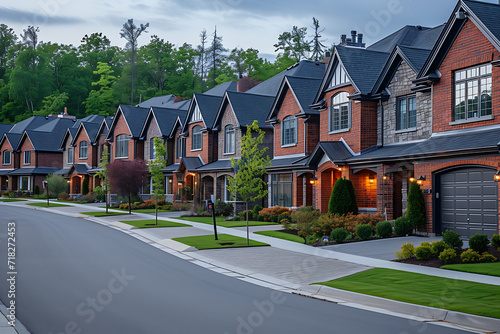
point(75, 276)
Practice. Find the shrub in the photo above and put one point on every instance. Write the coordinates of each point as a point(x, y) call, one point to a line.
point(402, 226)
point(11, 194)
point(407, 250)
point(260, 218)
point(495, 241)
point(487, 258)
point(479, 243)
point(223, 209)
point(368, 219)
point(384, 229)
point(99, 194)
point(311, 239)
point(36, 190)
point(339, 235)
point(452, 239)
point(85, 186)
point(425, 243)
point(5, 194)
point(306, 229)
point(439, 246)
point(364, 232)
point(271, 214)
point(447, 255)
point(243, 215)
point(256, 209)
point(423, 252)
point(416, 206)
point(57, 184)
point(181, 206)
point(469, 256)
point(284, 216)
point(343, 199)
point(89, 198)
point(64, 195)
point(236, 219)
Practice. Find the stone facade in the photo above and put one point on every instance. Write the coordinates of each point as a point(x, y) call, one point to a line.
point(153, 132)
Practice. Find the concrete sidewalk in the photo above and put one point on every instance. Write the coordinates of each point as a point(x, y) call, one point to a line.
point(291, 267)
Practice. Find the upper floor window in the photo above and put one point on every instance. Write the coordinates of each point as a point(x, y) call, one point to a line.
point(473, 92)
point(71, 155)
point(340, 118)
point(289, 131)
point(83, 149)
point(406, 112)
point(229, 140)
point(152, 149)
point(196, 114)
point(339, 76)
point(197, 138)
point(27, 157)
point(181, 147)
point(7, 157)
point(121, 146)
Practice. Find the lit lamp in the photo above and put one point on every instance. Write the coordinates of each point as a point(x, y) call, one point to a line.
point(412, 179)
point(371, 179)
point(497, 176)
point(169, 180)
point(340, 169)
point(313, 180)
point(421, 180)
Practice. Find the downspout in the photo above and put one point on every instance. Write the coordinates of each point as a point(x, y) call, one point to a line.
point(381, 111)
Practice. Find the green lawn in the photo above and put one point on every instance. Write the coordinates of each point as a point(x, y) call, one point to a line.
point(220, 222)
point(147, 223)
point(455, 295)
point(140, 210)
point(11, 200)
point(44, 205)
point(492, 269)
point(282, 235)
point(72, 202)
point(225, 241)
point(103, 213)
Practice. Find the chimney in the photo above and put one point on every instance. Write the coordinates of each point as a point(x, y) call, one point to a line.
point(360, 39)
point(353, 36)
point(245, 84)
point(343, 37)
point(65, 110)
point(327, 58)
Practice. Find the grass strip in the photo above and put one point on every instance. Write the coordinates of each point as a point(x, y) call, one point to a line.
point(491, 269)
point(225, 241)
point(221, 222)
point(149, 223)
point(103, 213)
point(51, 205)
point(12, 200)
point(282, 235)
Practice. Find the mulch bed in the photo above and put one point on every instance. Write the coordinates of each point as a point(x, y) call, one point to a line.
point(437, 263)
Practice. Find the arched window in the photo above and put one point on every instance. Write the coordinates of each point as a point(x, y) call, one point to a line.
point(197, 138)
point(289, 131)
point(121, 146)
point(340, 113)
point(229, 140)
point(83, 149)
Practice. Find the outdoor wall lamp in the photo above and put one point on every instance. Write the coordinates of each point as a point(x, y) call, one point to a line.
point(387, 176)
point(421, 180)
point(371, 179)
point(313, 180)
point(412, 179)
point(340, 169)
point(169, 180)
point(497, 176)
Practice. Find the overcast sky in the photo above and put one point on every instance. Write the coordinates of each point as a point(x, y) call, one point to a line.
point(241, 23)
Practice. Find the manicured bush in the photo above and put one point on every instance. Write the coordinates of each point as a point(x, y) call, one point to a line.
point(368, 219)
point(260, 218)
point(223, 209)
point(487, 258)
point(236, 218)
point(339, 235)
point(343, 198)
point(426, 243)
point(423, 252)
point(271, 214)
point(99, 194)
point(447, 255)
point(452, 238)
point(64, 195)
point(243, 215)
point(11, 194)
point(416, 206)
point(85, 186)
point(311, 239)
point(439, 246)
point(57, 184)
point(364, 232)
point(479, 243)
point(495, 240)
point(284, 216)
point(256, 209)
point(5, 194)
point(402, 226)
point(36, 190)
point(384, 229)
point(469, 256)
point(407, 250)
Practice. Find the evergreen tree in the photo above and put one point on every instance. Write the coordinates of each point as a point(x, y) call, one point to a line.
point(343, 198)
point(202, 58)
point(416, 206)
point(318, 48)
point(215, 57)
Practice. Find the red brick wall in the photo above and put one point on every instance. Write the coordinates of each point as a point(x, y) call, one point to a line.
point(366, 191)
point(470, 48)
point(27, 146)
point(82, 136)
point(289, 107)
point(49, 159)
point(6, 147)
point(326, 176)
point(312, 134)
point(122, 128)
point(208, 151)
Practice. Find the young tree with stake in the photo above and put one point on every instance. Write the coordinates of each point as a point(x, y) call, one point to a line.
point(155, 167)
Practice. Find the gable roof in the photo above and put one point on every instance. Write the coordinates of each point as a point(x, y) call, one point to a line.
point(29, 124)
point(70, 132)
point(12, 138)
point(165, 118)
point(246, 107)
point(4, 128)
point(209, 106)
point(92, 130)
point(413, 36)
point(134, 118)
point(334, 150)
point(219, 90)
point(42, 141)
point(157, 101)
point(190, 163)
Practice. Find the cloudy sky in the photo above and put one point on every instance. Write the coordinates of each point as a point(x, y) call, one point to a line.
point(242, 23)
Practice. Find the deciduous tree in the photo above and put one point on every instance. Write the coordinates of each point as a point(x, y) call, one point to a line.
point(155, 167)
point(126, 178)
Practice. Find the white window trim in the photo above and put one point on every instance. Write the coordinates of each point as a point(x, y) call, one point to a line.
point(225, 140)
point(192, 140)
point(349, 115)
point(10, 158)
point(21, 182)
point(288, 118)
point(116, 147)
point(86, 151)
point(24, 157)
point(72, 155)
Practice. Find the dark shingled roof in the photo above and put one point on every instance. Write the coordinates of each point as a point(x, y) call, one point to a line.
point(286, 163)
point(219, 165)
point(92, 130)
point(81, 169)
point(63, 171)
point(334, 150)
point(13, 139)
point(488, 13)
point(416, 57)
point(34, 170)
point(135, 118)
point(157, 101)
point(192, 163)
point(4, 128)
point(249, 107)
point(166, 118)
point(171, 168)
point(56, 125)
point(414, 36)
point(441, 144)
point(305, 90)
point(219, 90)
point(94, 119)
point(303, 69)
point(209, 106)
point(44, 141)
point(30, 124)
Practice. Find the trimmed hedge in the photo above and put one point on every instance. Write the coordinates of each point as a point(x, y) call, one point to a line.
point(416, 206)
point(452, 238)
point(402, 226)
point(343, 198)
point(364, 232)
point(479, 243)
point(384, 229)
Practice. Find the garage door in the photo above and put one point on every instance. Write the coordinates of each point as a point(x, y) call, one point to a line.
point(469, 201)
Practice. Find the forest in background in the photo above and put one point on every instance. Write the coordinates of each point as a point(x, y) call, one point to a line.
point(41, 78)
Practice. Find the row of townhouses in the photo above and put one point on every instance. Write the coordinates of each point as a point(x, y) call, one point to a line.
point(422, 104)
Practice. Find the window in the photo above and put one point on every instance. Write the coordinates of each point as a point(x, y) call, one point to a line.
point(121, 146)
point(406, 114)
point(229, 140)
point(152, 149)
point(282, 189)
point(197, 138)
point(27, 157)
point(181, 147)
point(7, 157)
point(196, 115)
point(24, 182)
point(339, 118)
point(339, 77)
point(83, 149)
point(473, 92)
point(289, 131)
point(71, 155)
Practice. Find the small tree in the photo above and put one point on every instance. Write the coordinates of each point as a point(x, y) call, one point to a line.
point(85, 186)
point(57, 184)
point(343, 198)
point(416, 206)
point(248, 184)
point(155, 168)
point(103, 174)
point(126, 178)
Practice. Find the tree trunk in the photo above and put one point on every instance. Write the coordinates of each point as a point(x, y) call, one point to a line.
point(129, 205)
point(156, 208)
point(248, 233)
